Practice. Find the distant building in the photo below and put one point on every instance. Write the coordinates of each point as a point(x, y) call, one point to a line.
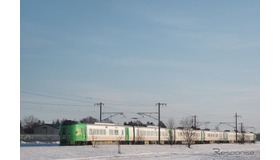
point(47, 129)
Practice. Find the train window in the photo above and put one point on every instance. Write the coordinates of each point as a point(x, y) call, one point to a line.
point(138, 133)
point(110, 132)
point(98, 131)
point(122, 132)
point(116, 132)
point(144, 133)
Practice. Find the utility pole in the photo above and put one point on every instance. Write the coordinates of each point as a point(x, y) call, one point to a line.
point(100, 105)
point(242, 135)
point(159, 105)
point(194, 121)
point(236, 116)
point(149, 114)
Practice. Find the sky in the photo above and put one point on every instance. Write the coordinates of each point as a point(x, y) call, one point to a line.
point(199, 57)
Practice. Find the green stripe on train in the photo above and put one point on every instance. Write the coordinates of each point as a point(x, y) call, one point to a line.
point(126, 133)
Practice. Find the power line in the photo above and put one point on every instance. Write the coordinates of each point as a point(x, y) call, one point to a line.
point(113, 114)
point(126, 104)
point(43, 95)
point(116, 105)
point(63, 98)
point(29, 102)
point(52, 109)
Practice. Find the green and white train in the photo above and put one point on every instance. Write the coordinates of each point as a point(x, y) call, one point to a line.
point(78, 133)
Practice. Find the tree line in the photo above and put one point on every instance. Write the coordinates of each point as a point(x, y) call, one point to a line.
point(27, 124)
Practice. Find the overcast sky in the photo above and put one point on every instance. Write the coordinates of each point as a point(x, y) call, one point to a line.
point(200, 57)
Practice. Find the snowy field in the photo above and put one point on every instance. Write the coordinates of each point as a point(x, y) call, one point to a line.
point(37, 151)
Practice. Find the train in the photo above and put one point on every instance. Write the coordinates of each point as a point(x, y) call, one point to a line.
point(79, 133)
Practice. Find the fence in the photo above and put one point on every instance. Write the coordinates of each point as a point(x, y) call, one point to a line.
point(39, 137)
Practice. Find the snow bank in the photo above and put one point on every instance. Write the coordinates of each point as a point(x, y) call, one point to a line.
point(197, 152)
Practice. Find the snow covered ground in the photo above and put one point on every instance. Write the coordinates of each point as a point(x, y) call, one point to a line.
point(37, 150)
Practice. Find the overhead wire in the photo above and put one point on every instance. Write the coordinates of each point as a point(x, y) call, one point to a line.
point(43, 95)
point(110, 105)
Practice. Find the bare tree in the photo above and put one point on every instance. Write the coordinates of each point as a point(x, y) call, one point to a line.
point(93, 141)
point(29, 123)
point(247, 138)
point(21, 128)
point(89, 119)
point(217, 128)
point(171, 127)
point(244, 138)
point(187, 131)
point(119, 144)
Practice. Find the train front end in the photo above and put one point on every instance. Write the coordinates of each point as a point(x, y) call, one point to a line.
point(72, 133)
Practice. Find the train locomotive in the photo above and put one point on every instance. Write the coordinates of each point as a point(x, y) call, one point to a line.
point(78, 133)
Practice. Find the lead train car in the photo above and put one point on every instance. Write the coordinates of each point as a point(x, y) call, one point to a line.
point(77, 133)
